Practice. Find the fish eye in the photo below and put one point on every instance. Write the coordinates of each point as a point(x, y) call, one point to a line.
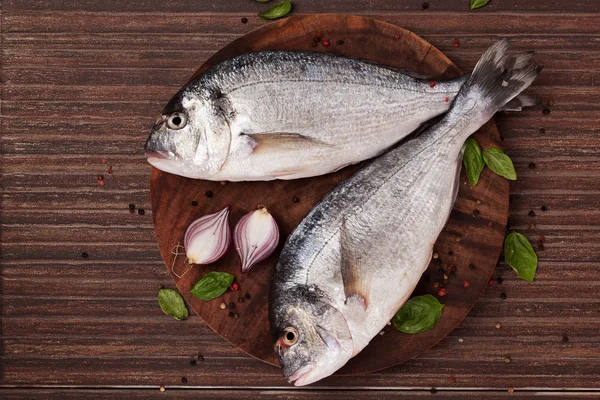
point(176, 121)
point(289, 336)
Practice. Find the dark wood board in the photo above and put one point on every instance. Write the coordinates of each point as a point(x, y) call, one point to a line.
point(469, 245)
point(81, 81)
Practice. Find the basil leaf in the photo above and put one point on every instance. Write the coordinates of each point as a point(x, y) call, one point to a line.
point(418, 314)
point(171, 302)
point(478, 3)
point(212, 285)
point(519, 254)
point(473, 161)
point(500, 163)
point(278, 10)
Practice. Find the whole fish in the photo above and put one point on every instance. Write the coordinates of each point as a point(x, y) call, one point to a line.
point(357, 257)
point(287, 115)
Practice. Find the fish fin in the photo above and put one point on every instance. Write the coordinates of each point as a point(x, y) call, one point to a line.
point(519, 102)
point(355, 275)
point(275, 141)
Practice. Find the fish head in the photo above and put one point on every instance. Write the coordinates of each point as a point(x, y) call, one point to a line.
point(313, 340)
point(191, 137)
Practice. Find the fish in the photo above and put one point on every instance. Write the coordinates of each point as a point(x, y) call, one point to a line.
point(357, 256)
point(287, 115)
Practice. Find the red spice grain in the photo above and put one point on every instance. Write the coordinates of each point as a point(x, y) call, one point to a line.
point(467, 284)
point(234, 286)
point(326, 43)
point(456, 43)
point(442, 292)
point(452, 379)
point(397, 36)
point(491, 282)
point(110, 170)
point(100, 180)
point(446, 99)
point(511, 390)
point(432, 83)
point(319, 34)
point(103, 161)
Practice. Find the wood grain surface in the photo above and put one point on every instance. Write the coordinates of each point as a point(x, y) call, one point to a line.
point(480, 236)
point(82, 81)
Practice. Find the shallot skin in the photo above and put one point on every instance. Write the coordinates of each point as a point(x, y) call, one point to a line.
point(255, 237)
point(208, 238)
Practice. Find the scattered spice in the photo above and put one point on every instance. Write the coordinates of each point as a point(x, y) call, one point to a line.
point(184, 380)
point(231, 305)
point(103, 161)
point(208, 193)
point(295, 199)
point(436, 284)
point(531, 213)
point(132, 207)
point(452, 379)
point(339, 42)
point(316, 39)
point(425, 6)
point(110, 170)
point(565, 339)
point(85, 255)
point(231, 314)
point(478, 202)
point(544, 208)
point(236, 315)
point(511, 390)
point(467, 284)
point(223, 183)
point(472, 267)
point(432, 83)
point(162, 389)
point(240, 299)
point(542, 130)
point(435, 255)
point(476, 213)
point(397, 36)
point(531, 226)
point(451, 253)
point(194, 203)
point(499, 280)
point(460, 340)
point(244, 20)
point(503, 296)
point(200, 357)
point(532, 165)
point(141, 211)
point(540, 243)
point(433, 391)
point(456, 43)
point(445, 276)
point(507, 359)
point(222, 306)
point(319, 34)
point(550, 102)
point(546, 111)
point(193, 363)
point(442, 292)
point(326, 43)
point(490, 224)
point(446, 99)
point(498, 326)
point(234, 286)
point(458, 239)
point(491, 282)
point(247, 296)
point(100, 180)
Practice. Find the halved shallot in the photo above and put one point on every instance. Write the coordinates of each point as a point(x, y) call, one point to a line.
point(255, 237)
point(207, 239)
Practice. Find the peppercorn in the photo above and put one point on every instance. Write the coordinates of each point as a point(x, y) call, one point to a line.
point(507, 359)
point(141, 211)
point(442, 292)
point(110, 170)
point(326, 43)
point(503, 296)
point(498, 326)
point(436, 284)
point(316, 39)
point(490, 224)
point(491, 282)
point(231, 305)
point(542, 130)
point(531, 226)
point(451, 253)
point(236, 315)
point(339, 42)
point(132, 206)
point(550, 102)
point(452, 379)
point(544, 208)
point(476, 213)
point(396, 36)
point(200, 357)
point(247, 296)
point(456, 43)
point(532, 165)
point(565, 339)
point(100, 180)
point(193, 363)
point(472, 267)
point(466, 284)
point(433, 391)
point(222, 306)
point(499, 280)
point(85, 255)
point(244, 20)
point(546, 111)
point(194, 203)
point(435, 255)
point(240, 299)
point(209, 194)
point(445, 277)
point(184, 380)
point(432, 83)
point(231, 314)
point(501, 138)
point(531, 213)
point(162, 389)
point(319, 34)
point(458, 239)
point(425, 6)
point(314, 44)
point(295, 199)
point(441, 270)
point(234, 286)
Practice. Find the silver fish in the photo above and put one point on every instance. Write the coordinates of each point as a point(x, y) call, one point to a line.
point(357, 257)
point(287, 115)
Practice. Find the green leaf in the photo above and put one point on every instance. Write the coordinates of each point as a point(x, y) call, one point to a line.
point(519, 254)
point(478, 3)
point(277, 11)
point(418, 314)
point(473, 161)
point(500, 163)
point(212, 285)
point(171, 302)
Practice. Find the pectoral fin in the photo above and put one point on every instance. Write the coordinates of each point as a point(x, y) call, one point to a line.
point(278, 142)
point(355, 274)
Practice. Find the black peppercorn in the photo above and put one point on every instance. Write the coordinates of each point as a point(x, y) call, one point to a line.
point(194, 203)
point(476, 213)
point(240, 299)
point(244, 20)
point(132, 206)
point(231, 313)
point(503, 296)
point(339, 42)
point(472, 267)
point(209, 194)
point(193, 363)
point(499, 280)
point(295, 199)
point(247, 296)
point(542, 130)
point(141, 211)
point(544, 208)
point(231, 305)
point(85, 255)
point(532, 213)
point(451, 253)
point(565, 339)
point(425, 6)
point(546, 111)
point(531, 165)
point(184, 380)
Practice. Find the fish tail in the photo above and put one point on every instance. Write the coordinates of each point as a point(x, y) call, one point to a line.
point(499, 78)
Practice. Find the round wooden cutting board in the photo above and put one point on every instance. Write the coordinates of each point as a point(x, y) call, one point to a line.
point(467, 250)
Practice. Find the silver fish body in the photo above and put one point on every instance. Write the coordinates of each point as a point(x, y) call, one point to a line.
point(357, 257)
point(286, 115)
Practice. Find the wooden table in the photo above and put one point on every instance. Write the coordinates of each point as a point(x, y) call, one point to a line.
point(82, 82)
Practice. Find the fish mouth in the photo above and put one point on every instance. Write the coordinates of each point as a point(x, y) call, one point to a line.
point(297, 376)
point(160, 154)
